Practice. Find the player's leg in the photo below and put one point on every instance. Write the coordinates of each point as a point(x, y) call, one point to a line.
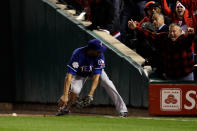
point(113, 93)
point(76, 86)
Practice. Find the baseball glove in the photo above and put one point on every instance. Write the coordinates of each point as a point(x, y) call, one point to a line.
point(83, 102)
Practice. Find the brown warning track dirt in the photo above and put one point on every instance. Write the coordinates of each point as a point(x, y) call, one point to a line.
point(33, 109)
point(133, 113)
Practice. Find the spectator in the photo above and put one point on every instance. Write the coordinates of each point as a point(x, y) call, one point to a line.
point(129, 11)
point(118, 5)
point(192, 6)
point(140, 5)
point(148, 12)
point(102, 15)
point(158, 22)
point(139, 43)
point(180, 16)
point(142, 46)
point(175, 47)
point(155, 57)
point(152, 7)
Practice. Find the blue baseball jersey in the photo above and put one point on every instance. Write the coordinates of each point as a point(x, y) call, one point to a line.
point(83, 65)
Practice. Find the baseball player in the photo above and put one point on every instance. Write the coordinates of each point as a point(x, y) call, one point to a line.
point(88, 62)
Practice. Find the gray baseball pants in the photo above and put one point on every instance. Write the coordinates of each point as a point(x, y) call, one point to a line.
point(78, 82)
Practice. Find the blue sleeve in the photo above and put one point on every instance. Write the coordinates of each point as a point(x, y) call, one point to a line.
point(99, 65)
point(73, 64)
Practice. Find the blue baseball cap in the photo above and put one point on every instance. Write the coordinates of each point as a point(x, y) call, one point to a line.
point(96, 45)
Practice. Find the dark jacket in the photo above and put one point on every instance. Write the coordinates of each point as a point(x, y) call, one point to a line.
point(165, 28)
point(102, 15)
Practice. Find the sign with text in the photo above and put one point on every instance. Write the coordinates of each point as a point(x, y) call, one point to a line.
point(173, 99)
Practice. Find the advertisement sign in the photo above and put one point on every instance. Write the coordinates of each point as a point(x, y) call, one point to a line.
point(173, 99)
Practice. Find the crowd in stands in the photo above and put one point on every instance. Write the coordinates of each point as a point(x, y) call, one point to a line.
point(164, 32)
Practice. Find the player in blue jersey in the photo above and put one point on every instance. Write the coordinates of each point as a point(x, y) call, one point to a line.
point(88, 62)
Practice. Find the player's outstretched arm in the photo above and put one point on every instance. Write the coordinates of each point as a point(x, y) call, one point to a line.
point(67, 82)
point(95, 80)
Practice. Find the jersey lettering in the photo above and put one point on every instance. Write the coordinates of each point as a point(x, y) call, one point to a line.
point(86, 68)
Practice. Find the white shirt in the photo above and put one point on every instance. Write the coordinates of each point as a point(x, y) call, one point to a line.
point(161, 26)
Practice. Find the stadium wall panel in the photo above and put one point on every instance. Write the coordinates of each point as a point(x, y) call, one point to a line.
point(44, 37)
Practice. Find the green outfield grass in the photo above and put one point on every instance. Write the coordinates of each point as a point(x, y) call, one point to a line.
point(96, 123)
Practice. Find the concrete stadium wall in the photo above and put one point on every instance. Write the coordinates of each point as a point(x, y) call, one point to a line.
point(43, 38)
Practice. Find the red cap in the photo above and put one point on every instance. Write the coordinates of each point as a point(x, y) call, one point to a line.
point(148, 4)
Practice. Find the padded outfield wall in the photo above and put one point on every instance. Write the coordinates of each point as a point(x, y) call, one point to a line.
point(44, 37)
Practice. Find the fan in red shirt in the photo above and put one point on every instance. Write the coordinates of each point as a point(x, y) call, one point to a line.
point(148, 12)
point(180, 16)
point(192, 6)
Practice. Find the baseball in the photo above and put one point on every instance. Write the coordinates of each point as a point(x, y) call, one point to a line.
point(14, 114)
